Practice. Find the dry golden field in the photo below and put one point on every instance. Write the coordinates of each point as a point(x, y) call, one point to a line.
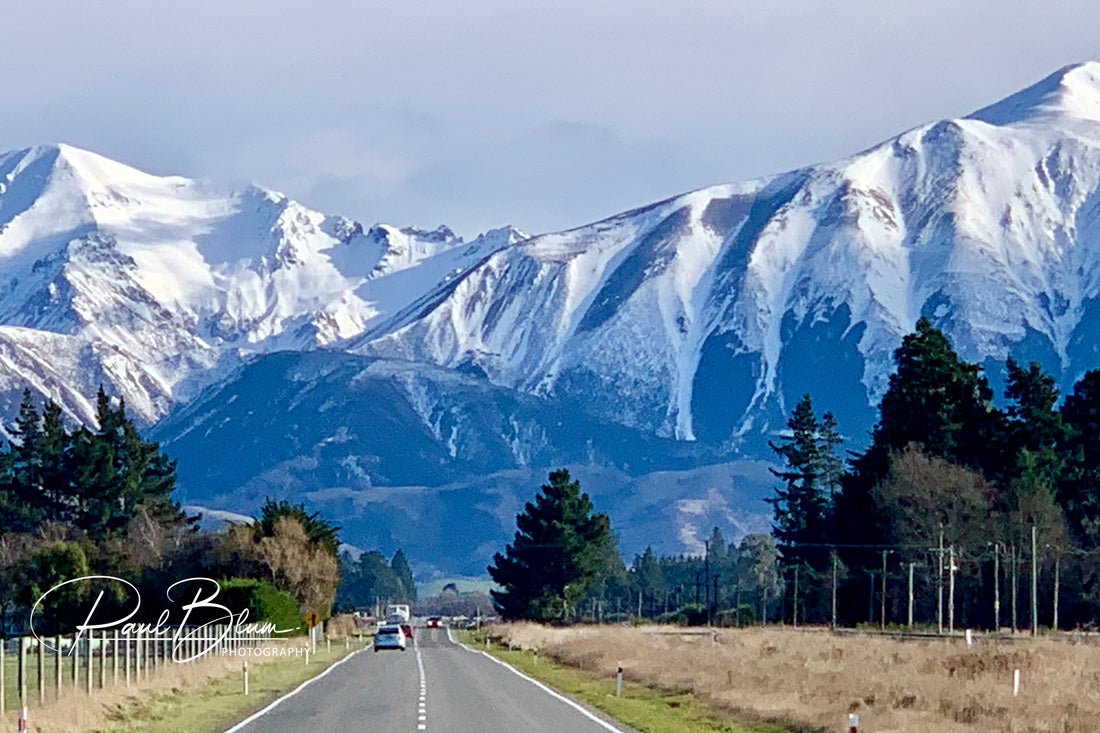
point(817, 677)
point(139, 706)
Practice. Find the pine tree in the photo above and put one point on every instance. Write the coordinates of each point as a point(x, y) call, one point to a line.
point(26, 495)
point(558, 551)
point(935, 401)
point(317, 529)
point(647, 577)
point(400, 566)
point(1078, 491)
point(800, 507)
point(938, 401)
point(1033, 423)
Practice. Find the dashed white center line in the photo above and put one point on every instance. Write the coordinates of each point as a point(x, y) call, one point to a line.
point(422, 707)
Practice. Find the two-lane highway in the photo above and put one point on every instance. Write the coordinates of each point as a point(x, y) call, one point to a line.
point(435, 685)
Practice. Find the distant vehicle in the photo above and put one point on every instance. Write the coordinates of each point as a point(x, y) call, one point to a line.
point(398, 614)
point(433, 622)
point(390, 636)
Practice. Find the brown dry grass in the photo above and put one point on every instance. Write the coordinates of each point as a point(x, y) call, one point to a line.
point(77, 711)
point(816, 677)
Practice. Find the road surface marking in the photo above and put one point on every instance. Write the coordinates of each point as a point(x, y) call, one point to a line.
point(289, 695)
point(422, 710)
point(553, 693)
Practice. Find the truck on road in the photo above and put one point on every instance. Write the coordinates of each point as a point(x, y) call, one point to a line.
point(398, 614)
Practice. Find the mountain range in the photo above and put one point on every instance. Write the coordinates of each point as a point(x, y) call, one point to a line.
point(417, 386)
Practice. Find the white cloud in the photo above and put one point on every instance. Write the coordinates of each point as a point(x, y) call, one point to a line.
point(488, 112)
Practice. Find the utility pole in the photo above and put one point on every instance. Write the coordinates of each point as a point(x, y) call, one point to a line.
point(951, 596)
point(939, 586)
point(882, 619)
point(1034, 583)
point(1015, 586)
point(794, 614)
point(1057, 582)
point(910, 617)
point(996, 586)
point(706, 577)
point(834, 590)
point(871, 598)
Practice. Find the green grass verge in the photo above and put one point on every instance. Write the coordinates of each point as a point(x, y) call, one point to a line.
point(641, 707)
point(10, 690)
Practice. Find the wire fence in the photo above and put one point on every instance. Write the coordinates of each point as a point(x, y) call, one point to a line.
point(39, 671)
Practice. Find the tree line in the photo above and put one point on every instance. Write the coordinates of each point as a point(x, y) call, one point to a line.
point(97, 500)
point(564, 565)
point(952, 489)
point(951, 485)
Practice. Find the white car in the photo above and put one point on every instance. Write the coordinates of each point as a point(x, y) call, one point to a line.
point(389, 637)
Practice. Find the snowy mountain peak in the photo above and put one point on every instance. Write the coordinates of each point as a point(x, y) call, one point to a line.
point(1072, 92)
point(160, 285)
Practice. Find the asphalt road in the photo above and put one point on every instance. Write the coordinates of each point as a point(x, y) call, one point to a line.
point(435, 685)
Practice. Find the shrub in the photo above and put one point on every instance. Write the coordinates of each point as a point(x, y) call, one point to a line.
point(264, 602)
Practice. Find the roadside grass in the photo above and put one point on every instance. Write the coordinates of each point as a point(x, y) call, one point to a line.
point(202, 697)
point(817, 677)
point(11, 681)
point(642, 707)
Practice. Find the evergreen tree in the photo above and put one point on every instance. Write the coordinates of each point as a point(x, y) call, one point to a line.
point(26, 499)
point(800, 506)
point(830, 466)
point(648, 578)
point(935, 401)
point(400, 566)
point(318, 530)
point(938, 401)
point(558, 552)
point(1033, 423)
point(1078, 490)
point(716, 547)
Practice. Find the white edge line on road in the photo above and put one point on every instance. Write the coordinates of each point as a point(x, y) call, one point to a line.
point(549, 691)
point(289, 695)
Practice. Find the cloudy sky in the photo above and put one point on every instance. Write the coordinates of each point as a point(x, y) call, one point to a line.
point(489, 112)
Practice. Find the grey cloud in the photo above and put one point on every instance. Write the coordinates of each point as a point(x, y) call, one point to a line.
point(491, 111)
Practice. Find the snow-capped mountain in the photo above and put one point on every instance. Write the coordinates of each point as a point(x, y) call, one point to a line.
point(155, 286)
point(707, 315)
point(664, 339)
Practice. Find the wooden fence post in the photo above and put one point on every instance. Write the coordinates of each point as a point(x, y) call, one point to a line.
point(103, 660)
point(75, 651)
point(57, 664)
point(89, 670)
point(41, 674)
point(23, 671)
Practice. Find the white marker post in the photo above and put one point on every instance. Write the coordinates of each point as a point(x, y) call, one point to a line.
point(246, 678)
point(23, 720)
point(853, 723)
point(1015, 682)
point(969, 641)
point(619, 683)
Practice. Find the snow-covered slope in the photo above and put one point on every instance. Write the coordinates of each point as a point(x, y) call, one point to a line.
point(156, 286)
point(700, 317)
point(707, 315)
